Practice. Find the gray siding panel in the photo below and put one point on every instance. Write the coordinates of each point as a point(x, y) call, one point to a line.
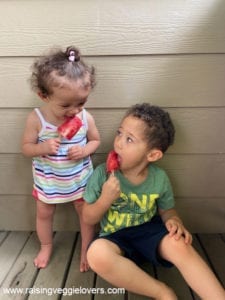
point(170, 53)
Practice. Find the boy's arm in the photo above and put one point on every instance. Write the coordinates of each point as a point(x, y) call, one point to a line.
point(30, 145)
point(94, 212)
point(175, 225)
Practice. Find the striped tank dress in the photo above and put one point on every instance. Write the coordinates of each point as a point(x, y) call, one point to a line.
point(58, 179)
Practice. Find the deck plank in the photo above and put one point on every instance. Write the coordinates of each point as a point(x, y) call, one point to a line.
point(214, 247)
point(18, 249)
point(198, 246)
point(9, 251)
point(173, 278)
point(76, 279)
point(104, 287)
point(3, 235)
point(52, 277)
point(132, 296)
point(23, 272)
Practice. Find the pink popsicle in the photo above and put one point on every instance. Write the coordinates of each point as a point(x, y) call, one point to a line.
point(112, 163)
point(70, 127)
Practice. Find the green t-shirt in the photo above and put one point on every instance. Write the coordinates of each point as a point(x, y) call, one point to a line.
point(137, 204)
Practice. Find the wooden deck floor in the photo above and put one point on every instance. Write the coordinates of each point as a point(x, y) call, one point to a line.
point(19, 279)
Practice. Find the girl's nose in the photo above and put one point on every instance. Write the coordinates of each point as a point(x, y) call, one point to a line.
point(75, 110)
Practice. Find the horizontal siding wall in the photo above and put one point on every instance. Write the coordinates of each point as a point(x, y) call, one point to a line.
point(170, 53)
point(119, 27)
point(170, 80)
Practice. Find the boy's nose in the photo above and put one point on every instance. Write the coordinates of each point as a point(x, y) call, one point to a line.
point(118, 143)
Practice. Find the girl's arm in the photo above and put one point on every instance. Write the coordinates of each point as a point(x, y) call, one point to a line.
point(93, 137)
point(93, 213)
point(175, 225)
point(30, 145)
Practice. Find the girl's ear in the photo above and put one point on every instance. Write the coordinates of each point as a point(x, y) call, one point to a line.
point(42, 96)
point(154, 155)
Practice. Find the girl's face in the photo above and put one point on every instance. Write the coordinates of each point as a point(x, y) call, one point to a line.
point(130, 144)
point(68, 99)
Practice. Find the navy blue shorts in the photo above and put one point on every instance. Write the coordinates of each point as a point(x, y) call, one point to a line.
point(140, 243)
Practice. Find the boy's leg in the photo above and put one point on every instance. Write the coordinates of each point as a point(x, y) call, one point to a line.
point(193, 268)
point(44, 220)
point(106, 259)
point(87, 235)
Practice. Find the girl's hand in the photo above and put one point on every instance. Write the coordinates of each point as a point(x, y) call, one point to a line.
point(50, 146)
point(177, 229)
point(76, 153)
point(110, 190)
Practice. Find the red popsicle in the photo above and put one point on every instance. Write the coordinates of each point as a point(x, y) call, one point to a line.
point(112, 163)
point(70, 127)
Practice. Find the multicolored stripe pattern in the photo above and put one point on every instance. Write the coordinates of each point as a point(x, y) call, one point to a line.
point(58, 179)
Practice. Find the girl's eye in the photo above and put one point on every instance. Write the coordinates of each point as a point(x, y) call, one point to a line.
point(66, 106)
point(129, 140)
point(82, 103)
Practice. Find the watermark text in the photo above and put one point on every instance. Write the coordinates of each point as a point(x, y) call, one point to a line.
point(49, 291)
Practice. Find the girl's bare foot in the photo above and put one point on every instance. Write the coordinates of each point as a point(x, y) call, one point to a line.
point(43, 257)
point(87, 234)
point(84, 266)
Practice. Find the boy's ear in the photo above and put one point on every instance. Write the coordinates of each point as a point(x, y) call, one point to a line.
point(154, 155)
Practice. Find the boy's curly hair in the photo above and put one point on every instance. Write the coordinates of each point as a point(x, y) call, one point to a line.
point(159, 129)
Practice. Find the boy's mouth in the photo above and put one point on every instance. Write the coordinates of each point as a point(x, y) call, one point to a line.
point(118, 158)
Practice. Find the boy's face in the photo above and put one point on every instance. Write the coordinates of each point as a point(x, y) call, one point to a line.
point(130, 144)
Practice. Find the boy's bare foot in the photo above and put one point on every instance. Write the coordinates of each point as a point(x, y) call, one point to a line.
point(43, 257)
point(166, 293)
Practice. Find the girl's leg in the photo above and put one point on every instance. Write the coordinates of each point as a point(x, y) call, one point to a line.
point(87, 235)
point(106, 259)
point(193, 268)
point(44, 220)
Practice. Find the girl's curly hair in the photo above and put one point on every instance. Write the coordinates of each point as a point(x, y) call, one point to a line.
point(47, 70)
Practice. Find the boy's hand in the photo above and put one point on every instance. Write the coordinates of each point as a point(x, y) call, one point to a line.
point(177, 229)
point(110, 190)
point(50, 146)
point(76, 152)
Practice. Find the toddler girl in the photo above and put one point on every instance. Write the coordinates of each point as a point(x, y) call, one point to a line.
point(61, 167)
